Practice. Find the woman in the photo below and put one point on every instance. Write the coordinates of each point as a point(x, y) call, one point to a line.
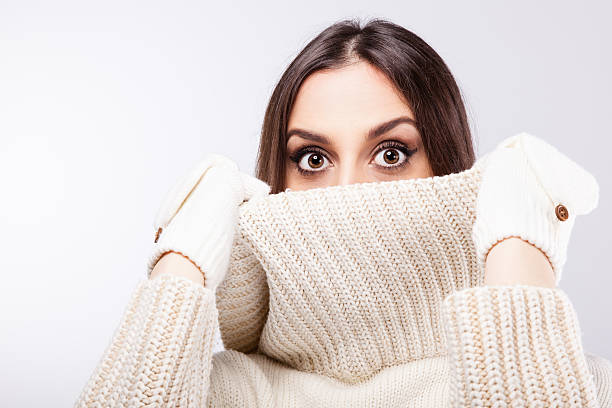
point(394, 270)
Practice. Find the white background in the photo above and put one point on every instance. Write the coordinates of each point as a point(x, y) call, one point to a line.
point(103, 105)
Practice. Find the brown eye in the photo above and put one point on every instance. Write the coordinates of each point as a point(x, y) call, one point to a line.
point(313, 161)
point(390, 157)
point(393, 156)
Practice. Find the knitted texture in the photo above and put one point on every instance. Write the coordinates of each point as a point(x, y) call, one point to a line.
point(363, 295)
point(523, 202)
point(197, 217)
point(602, 374)
point(160, 354)
point(357, 273)
point(255, 380)
point(516, 345)
point(242, 299)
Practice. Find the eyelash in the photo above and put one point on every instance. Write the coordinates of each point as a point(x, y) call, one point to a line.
point(297, 156)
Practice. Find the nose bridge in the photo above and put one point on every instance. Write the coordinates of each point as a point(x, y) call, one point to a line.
point(348, 173)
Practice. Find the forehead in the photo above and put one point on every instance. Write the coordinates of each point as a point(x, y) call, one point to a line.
point(349, 98)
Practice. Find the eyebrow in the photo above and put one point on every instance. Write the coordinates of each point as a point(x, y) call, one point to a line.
point(372, 133)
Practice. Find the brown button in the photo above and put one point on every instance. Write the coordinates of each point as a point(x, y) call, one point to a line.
point(159, 230)
point(561, 212)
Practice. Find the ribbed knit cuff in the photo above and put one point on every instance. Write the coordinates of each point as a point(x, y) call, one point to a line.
point(158, 251)
point(533, 220)
point(198, 217)
point(533, 191)
point(516, 345)
point(161, 352)
point(209, 250)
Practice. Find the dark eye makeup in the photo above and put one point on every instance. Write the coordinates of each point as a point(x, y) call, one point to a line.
point(386, 145)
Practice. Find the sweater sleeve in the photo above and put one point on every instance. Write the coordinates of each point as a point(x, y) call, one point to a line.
point(160, 354)
point(518, 344)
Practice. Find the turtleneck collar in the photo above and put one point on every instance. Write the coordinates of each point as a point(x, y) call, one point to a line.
point(357, 273)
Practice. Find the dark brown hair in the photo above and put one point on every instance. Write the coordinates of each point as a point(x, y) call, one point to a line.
point(417, 71)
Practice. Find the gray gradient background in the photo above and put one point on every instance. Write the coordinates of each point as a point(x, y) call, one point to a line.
point(103, 106)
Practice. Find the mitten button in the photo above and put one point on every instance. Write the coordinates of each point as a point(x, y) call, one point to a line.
point(561, 212)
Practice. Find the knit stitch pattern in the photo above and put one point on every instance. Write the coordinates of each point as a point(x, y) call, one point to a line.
point(362, 295)
point(160, 355)
point(242, 299)
point(357, 273)
point(516, 345)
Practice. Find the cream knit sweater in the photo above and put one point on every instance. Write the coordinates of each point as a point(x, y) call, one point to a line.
point(363, 295)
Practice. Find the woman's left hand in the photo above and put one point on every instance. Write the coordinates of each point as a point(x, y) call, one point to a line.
point(532, 191)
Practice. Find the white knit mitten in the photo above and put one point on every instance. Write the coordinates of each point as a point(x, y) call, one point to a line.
point(199, 214)
point(531, 190)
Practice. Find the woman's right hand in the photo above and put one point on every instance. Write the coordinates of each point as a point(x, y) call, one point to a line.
point(199, 214)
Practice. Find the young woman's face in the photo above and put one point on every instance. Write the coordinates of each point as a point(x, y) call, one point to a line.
point(348, 126)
